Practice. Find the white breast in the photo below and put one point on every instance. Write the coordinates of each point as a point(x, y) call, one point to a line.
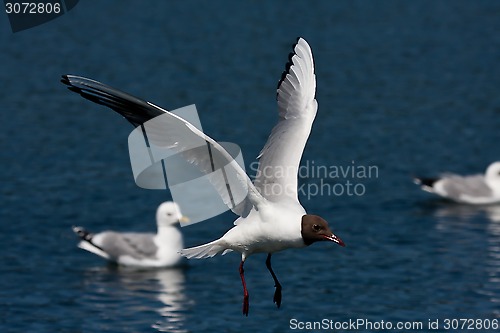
point(273, 228)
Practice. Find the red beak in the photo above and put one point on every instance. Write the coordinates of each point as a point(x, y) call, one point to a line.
point(334, 238)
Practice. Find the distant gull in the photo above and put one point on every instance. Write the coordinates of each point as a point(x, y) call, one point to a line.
point(140, 249)
point(474, 189)
point(271, 216)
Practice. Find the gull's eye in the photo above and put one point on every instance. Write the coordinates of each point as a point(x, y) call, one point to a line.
point(169, 214)
point(316, 227)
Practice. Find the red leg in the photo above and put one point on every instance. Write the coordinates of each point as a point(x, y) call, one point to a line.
point(245, 291)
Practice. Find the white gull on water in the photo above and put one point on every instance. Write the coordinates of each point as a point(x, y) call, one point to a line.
point(475, 189)
point(140, 249)
point(271, 216)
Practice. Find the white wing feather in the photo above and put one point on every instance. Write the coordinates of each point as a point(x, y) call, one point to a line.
point(280, 158)
point(229, 179)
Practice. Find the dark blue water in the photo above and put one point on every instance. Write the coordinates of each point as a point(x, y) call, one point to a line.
point(407, 87)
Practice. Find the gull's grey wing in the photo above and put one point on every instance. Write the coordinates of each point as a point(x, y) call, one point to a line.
point(457, 187)
point(135, 245)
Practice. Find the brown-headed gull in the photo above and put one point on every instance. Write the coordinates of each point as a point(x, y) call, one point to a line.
point(475, 189)
point(271, 216)
point(140, 249)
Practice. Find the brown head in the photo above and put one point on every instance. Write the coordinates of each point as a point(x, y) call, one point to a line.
point(315, 229)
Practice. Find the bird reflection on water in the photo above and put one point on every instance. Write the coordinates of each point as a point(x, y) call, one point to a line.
point(461, 220)
point(158, 294)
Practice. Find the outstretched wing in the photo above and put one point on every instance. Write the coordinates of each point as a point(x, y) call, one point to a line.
point(173, 132)
point(280, 158)
point(135, 110)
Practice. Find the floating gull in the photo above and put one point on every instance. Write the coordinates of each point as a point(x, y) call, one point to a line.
point(475, 189)
point(140, 249)
point(271, 216)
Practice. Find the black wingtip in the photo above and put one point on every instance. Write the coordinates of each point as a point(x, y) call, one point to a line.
point(425, 182)
point(73, 88)
point(65, 80)
point(137, 111)
point(287, 65)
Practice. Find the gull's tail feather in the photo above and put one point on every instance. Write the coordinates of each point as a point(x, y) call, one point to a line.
point(87, 244)
point(206, 250)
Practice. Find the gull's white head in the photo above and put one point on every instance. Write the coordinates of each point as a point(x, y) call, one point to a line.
point(492, 177)
point(169, 214)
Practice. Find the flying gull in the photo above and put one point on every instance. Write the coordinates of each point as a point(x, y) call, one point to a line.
point(271, 217)
point(474, 189)
point(140, 249)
